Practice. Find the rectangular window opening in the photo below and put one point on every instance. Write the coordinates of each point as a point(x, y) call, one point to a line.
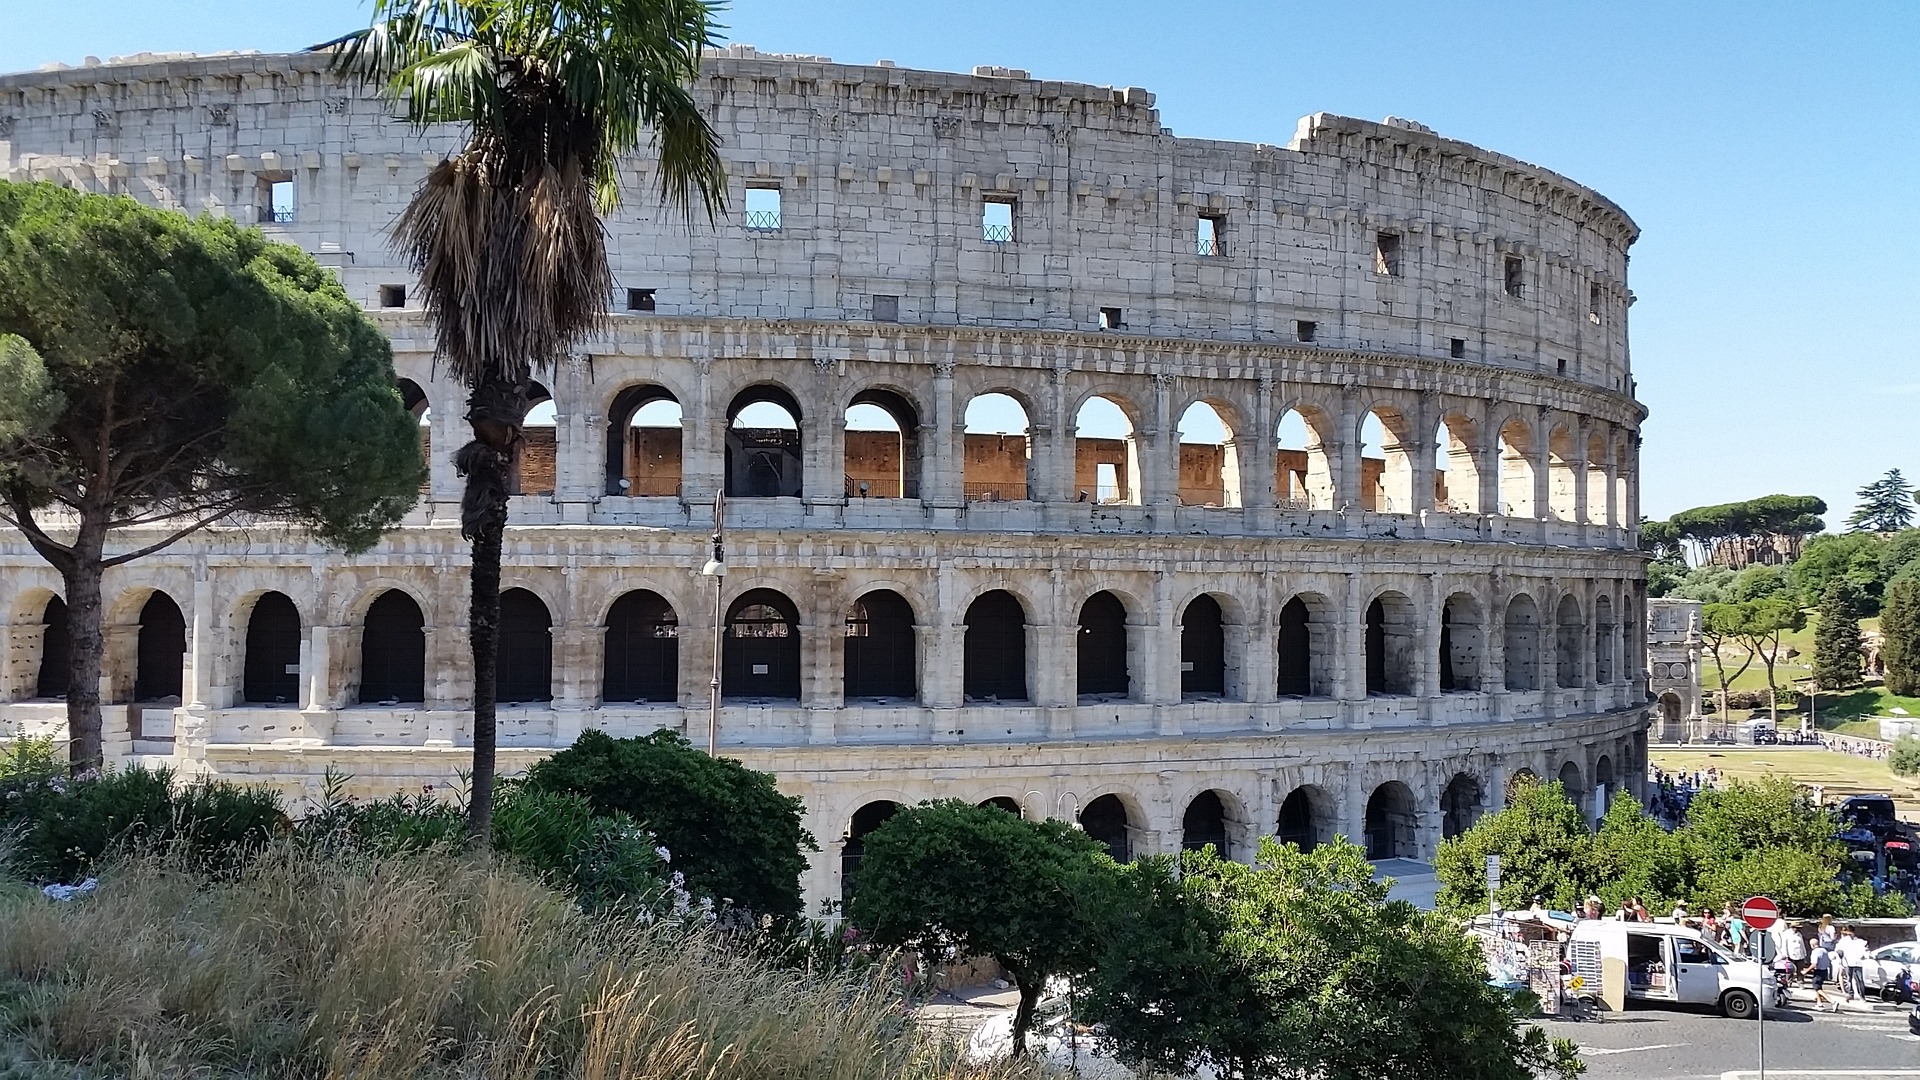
point(763, 209)
point(1208, 233)
point(1516, 276)
point(393, 296)
point(1106, 483)
point(1303, 329)
point(1386, 254)
point(1110, 319)
point(1459, 349)
point(1563, 366)
point(886, 308)
point(276, 198)
point(1593, 303)
point(996, 220)
point(639, 299)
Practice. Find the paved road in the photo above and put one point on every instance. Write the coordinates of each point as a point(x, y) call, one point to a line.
point(1664, 1044)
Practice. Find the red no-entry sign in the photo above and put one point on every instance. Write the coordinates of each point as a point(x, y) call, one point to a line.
point(1760, 912)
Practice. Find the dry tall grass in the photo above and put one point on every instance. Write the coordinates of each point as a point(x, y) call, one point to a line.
point(331, 965)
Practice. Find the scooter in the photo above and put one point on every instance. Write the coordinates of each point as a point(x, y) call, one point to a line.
point(1900, 988)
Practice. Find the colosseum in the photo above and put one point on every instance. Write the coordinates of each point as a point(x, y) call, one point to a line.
point(1192, 490)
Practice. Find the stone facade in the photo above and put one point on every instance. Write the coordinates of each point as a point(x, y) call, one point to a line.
point(1366, 634)
point(1673, 665)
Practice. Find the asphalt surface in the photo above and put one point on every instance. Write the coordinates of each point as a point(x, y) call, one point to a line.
point(1674, 1044)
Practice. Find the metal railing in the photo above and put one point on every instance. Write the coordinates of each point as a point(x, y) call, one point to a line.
point(1207, 245)
point(763, 220)
point(276, 217)
point(1293, 504)
point(1008, 492)
point(996, 234)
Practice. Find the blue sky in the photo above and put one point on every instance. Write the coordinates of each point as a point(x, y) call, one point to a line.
point(1767, 150)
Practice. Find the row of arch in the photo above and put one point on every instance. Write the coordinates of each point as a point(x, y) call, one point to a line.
point(1308, 817)
point(1557, 472)
point(762, 655)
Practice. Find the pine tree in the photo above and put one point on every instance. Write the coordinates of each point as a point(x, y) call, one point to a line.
point(1900, 630)
point(1886, 505)
point(1836, 640)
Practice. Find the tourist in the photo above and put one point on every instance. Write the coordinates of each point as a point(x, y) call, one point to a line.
point(1624, 913)
point(1852, 953)
point(1591, 909)
point(1640, 913)
point(1792, 944)
point(1819, 970)
point(1735, 928)
point(1829, 937)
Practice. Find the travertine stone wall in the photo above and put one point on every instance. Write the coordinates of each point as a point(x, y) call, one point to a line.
point(1362, 271)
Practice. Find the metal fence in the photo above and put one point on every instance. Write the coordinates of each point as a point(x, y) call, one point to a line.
point(997, 234)
point(763, 220)
point(1008, 492)
point(1207, 245)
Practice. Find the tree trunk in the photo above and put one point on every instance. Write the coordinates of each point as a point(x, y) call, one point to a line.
point(495, 410)
point(81, 575)
point(1023, 1013)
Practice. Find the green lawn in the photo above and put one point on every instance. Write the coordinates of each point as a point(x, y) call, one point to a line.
point(1837, 773)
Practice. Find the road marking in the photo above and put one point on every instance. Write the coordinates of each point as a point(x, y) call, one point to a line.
point(1600, 1051)
point(1820, 1074)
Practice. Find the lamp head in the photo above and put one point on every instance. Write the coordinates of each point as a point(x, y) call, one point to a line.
point(714, 568)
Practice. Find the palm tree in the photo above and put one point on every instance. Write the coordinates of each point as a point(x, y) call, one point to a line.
point(506, 236)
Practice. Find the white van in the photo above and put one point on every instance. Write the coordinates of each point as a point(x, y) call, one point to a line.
point(1635, 961)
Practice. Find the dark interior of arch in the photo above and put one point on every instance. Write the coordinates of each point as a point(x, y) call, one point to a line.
point(1296, 650)
point(1103, 646)
point(642, 650)
point(1390, 823)
point(393, 651)
point(1004, 802)
point(763, 463)
point(272, 673)
point(1203, 648)
point(1105, 819)
point(1447, 680)
point(1459, 806)
point(161, 653)
point(1297, 824)
point(524, 671)
point(882, 464)
point(412, 398)
point(762, 647)
point(624, 441)
point(865, 820)
point(1205, 822)
point(994, 661)
point(53, 676)
point(880, 647)
point(1376, 648)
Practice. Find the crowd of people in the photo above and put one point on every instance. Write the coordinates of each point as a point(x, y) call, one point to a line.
point(1848, 744)
point(1669, 794)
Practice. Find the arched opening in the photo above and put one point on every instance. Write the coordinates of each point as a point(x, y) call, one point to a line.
point(994, 661)
point(1603, 640)
point(1304, 649)
point(1386, 466)
point(1004, 802)
point(1459, 806)
point(1570, 634)
point(1209, 459)
point(644, 442)
point(1106, 460)
point(1462, 644)
point(53, 676)
point(1390, 645)
point(763, 444)
point(272, 671)
point(762, 647)
point(524, 670)
point(642, 650)
point(1390, 823)
point(1516, 470)
point(997, 459)
point(1604, 783)
point(1518, 783)
point(1306, 818)
point(1456, 488)
point(1105, 819)
point(534, 458)
point(1204, 823)
point(1672, 710)
point(1102, 649)
point(883, 447)
point(1560, 475)
point(1623, 461)
point(393, 651)
point(865, 820)
point(1303, 476)
point(880, 647)
point(1203, 649)
point(414, 400)
point(1599, 512)
point(1522, 644)
point(1570, 779)
point(161, 653)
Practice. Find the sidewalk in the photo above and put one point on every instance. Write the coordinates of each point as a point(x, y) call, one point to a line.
point(1802, 997)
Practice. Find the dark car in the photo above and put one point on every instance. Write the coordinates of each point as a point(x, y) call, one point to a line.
point(1873, 813)
point(1913, 1020)
point(1765, 737)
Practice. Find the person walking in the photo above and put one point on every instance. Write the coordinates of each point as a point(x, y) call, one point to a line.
point(1852, 952)
point(1793, 945)
point(1828, 935)
point(1819, 970)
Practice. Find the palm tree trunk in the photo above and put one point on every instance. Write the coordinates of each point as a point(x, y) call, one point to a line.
point(485, 462)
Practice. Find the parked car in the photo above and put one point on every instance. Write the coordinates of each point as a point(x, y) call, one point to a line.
point(1913, 1020)
point(1873, 813)
point(1885, 963)
point(1765, 737)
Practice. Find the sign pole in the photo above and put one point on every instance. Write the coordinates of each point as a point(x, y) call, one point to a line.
point(1760, 914)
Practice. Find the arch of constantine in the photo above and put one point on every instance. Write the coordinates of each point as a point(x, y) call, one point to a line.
point(1192, 490)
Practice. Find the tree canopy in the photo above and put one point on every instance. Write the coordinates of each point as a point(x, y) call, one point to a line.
point(162, 373)
point(729, 830)
point(1836, 637)
point(1300, 966)
point(1886, 505)
point(1766, 529)
point(1900, 636)
point(948, 875)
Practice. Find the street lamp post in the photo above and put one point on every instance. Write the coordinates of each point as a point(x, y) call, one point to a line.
point(716, 569)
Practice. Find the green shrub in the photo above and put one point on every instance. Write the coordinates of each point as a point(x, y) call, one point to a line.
point(223, 824)
point(390, 826)
point(602, 860)
point(75, 821)
point(1904, 758)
